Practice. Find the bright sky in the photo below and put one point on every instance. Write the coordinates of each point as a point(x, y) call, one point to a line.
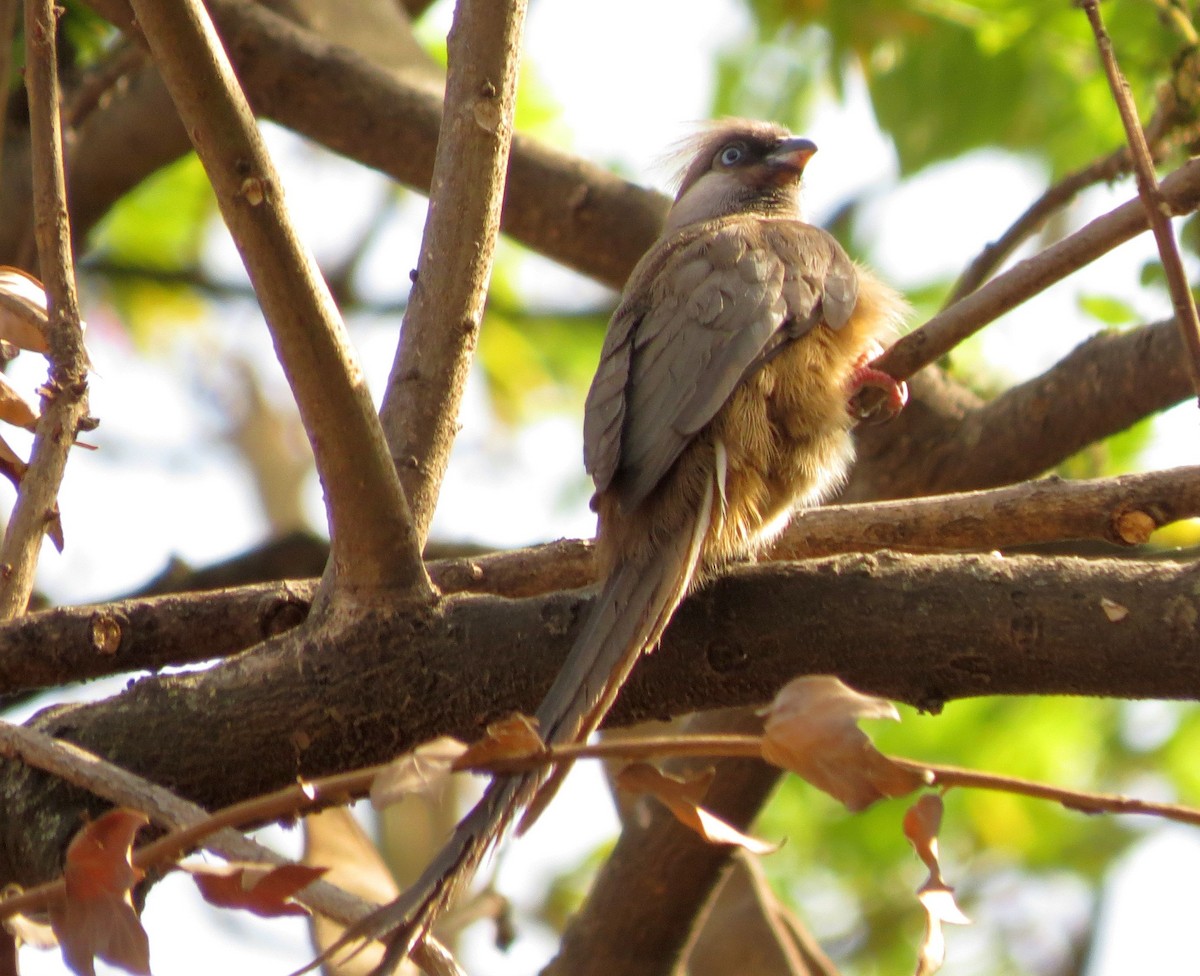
point(164, 483)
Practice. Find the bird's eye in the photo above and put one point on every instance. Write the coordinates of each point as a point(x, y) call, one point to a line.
point(732, 154)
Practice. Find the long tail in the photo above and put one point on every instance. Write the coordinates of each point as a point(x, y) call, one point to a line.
point(627, 617)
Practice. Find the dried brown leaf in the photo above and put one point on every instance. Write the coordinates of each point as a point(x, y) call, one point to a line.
point(425, 770)
point(97, 919)
point(264, 889)
point(515, 737)
point(14, 408)
point(23, 319)
point(922, 821)
point(682, 797)
point(11, 466)
point(940, 908)
point(811, 729)
point(921, 824)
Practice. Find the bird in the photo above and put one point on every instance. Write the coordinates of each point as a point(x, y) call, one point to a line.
point(719, 405)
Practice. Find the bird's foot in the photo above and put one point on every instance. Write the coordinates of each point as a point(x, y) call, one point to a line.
point(875, 397)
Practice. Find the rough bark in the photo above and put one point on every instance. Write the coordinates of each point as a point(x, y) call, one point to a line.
point(386, 681)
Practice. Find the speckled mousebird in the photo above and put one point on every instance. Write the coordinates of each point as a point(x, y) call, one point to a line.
point(719, 406)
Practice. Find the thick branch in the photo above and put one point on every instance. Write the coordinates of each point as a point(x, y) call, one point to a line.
point(946, 441)
point(56, 647)
point(64, 397)
point(76, 643)
point(8, 26)
point(977, 625)
point(374, 545)
point(420, 408)
point(1104, 386)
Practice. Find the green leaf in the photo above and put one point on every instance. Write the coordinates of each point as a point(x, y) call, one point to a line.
point(1108, 310)
point(949, 76)
point(160, 225)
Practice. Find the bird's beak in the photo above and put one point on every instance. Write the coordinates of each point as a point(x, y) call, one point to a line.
point(792, 154)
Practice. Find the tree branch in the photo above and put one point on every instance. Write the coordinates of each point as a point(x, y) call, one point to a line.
point(64, 396)
point(420, 408)
point(1104, 386)
point(69, 644)
point(924, 346)
point(573, 211)
point(76, 643)
point(1123, 511)
point(1165, 132)
point(374, 545)
point(1151, 197)
point(946, 440)
point(122, 788)
point(987, 625)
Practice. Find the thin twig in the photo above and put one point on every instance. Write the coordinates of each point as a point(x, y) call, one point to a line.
point(1174, 14)
point(920, 348)
point(441, 327)
point(1162, 134)
point(1081, 800)
point(64, 396)
point(1152, 199)
point(374, 544)
point(750, 747)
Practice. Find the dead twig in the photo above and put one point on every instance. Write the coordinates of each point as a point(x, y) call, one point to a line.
point(1156, 207)
point(924, 346)
point(64, 396)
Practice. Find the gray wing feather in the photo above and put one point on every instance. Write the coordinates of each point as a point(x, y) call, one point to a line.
point(702, 311)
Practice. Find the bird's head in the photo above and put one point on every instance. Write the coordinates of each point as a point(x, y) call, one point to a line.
point(740, 166)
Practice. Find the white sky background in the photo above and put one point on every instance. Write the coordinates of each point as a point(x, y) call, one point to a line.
point(164, 483)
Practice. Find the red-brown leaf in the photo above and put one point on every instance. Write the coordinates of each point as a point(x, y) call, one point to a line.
point(22, 310)
point(682, 797)
point(515, 737)
point(14, 408)
point(263, 889)
point(97, 919)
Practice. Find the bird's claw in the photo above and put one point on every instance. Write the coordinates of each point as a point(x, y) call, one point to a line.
point(875, 397)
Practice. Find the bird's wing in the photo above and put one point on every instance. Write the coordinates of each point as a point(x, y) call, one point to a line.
point(702, 311)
